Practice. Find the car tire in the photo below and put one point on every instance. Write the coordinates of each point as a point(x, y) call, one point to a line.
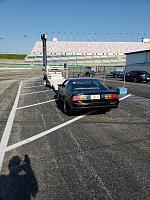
point(66, 108)
point(135, 80)
point(59, 97)
point(102, 111)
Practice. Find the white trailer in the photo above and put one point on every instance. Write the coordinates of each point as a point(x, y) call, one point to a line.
point(53, 76)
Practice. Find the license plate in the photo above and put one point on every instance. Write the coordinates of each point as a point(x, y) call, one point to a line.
point(95, 96)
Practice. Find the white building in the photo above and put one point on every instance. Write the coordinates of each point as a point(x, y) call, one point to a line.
point(139, 60)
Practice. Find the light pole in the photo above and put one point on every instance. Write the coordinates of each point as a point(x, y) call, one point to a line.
point(124, 77)
point(44, 39)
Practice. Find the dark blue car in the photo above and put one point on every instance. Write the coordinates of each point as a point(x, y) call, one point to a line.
point(137, 76)
point(86, 93)
point(118, 73)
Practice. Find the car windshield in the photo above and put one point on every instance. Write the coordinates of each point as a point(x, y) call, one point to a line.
point(119, 70)
point(87, 85)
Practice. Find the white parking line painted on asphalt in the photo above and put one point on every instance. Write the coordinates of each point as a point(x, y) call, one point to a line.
point(31, 139)
point(34, 92)
point(33, 86)
point(122, 98)
point(7, 131)
point(33, 80)
point(45, 132)
point(36, 104)
point(140, 98)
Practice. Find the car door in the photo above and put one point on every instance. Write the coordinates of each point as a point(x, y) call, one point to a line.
point(134, 76)
point(128, 76)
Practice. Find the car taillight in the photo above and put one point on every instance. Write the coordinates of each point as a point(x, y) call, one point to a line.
point(111, 96)
point(78, 98)
point(75, 98)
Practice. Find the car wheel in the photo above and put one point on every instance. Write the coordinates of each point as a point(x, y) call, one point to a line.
point(135, 80)
point(103, 111)
point(59, 97)
point(66, 108)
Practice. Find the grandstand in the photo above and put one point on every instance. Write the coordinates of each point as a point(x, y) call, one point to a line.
point(85, 53)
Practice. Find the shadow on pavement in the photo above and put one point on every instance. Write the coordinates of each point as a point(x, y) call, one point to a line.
point(20, 183)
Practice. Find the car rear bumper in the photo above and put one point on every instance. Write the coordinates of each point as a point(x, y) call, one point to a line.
point(119, 76)
point(144, 79)
point(84, 106)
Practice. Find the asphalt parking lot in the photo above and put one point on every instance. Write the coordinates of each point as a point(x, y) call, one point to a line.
point(86, 156)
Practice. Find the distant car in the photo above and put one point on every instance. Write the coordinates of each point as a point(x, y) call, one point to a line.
point(137, 76)
point(89, 72)
point(118, 73)
point(86, 93)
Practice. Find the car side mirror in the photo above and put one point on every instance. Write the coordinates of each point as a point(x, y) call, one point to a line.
point(61, 85)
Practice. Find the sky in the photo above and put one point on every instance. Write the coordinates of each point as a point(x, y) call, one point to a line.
point(23, 21)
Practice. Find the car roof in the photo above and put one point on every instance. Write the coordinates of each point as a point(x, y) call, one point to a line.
point(80, 78)
point(83, 78)
point(139, 71)
point(116, 70)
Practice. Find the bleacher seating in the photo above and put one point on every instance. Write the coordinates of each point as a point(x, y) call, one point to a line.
point(102, 53)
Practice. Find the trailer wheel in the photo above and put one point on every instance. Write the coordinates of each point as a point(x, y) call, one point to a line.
point(47, 83)
point(135, 80)
point(45, 77)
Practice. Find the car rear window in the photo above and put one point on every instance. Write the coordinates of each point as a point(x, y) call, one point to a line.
point(88, 85)
point(141, 72)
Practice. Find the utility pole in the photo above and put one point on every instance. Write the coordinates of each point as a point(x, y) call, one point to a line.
point(44, 39)
point(66, 69)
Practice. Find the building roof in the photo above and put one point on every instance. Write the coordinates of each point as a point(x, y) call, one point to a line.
point(136, 52)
